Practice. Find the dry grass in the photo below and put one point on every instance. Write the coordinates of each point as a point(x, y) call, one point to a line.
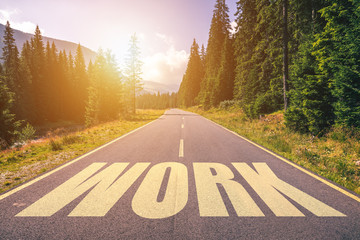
point(21, 164)
point(333, 156)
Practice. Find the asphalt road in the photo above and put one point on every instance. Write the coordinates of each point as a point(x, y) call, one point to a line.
point(180, 177)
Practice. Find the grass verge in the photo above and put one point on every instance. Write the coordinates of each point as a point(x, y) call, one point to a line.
point(333, 156)
point(18, 165)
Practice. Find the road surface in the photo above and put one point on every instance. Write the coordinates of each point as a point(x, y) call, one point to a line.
point(180, 177)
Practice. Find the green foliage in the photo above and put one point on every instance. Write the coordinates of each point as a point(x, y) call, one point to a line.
point(133, 74)
point(27, 133)
point(338, 53)
point(70, 139)
point(156, 101)
point(310, 98)
point(92, 104)
point(190, 85)
point(55, 145)
point(210, 94)
point(325, 72)
point(105, 93)
point(310, 156)
point(225, 78)
point(39, 83)
point(265, 104)
point(81, 84)
point(10, 58)
point(8, 124)
point(258, 51)
point(227, 104)
point(280, 144)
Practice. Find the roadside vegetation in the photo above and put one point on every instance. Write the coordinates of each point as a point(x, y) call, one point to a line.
point(26, 161)
point(334, 155)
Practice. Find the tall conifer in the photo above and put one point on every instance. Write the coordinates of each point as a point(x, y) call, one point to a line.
point(81, 84)
point(37, 69)
point(133, 72)
point(219, 31)
point(190, 86)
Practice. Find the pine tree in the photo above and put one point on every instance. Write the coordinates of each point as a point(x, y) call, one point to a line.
point(37, 69)
point(105, 93)
point(226, 74)
point(81, 84)
point(65, 88)
point(133, 72)
point(50, 84)
point(338, 53)
point(190, 86)
point(72, 91)
point(111, 104)
point(203, 55)
point(9, 56)
point(12, 68)
point(219, 31)
point(8, 125)
point(246, 39)
point(258, 81)
point(92, 104)
point(25, 96)
point(57, 82)
point(311, 102)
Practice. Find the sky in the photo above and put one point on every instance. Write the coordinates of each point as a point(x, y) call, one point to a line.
point(165, 28)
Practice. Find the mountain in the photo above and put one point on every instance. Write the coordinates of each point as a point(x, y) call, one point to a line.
point(21, 37)
point(155, 87)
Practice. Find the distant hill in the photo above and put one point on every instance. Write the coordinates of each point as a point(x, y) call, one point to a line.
point(21, 37)
point(155, 87)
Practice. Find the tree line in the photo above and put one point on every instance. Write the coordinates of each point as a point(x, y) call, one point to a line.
point(156, 101)
point(41, 84)
point(248, 66)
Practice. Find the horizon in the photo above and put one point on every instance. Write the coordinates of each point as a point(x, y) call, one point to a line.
point(164, 41)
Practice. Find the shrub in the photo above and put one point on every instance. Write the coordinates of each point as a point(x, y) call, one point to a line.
point(71, 139)
point(55, 145)
point(27, 133)
point(227, 104)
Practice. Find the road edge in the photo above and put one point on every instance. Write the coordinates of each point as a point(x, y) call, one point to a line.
point(60, 167)
point(304, 170)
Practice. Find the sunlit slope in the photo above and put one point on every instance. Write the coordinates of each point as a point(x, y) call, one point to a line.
point(21, 37)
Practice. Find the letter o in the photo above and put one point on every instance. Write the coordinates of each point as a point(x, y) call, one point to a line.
point(145, 202)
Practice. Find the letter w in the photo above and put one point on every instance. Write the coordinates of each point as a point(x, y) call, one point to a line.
point(98, 201)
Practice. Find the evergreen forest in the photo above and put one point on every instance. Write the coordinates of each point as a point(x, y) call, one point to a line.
point(40, 85)
point(299, 56)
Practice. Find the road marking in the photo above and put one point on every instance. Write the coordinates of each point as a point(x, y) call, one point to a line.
point(268, 186)
point(164, 191)
point(98, 202)
point(182, 125)
point(325, 181)
point(181, 148)
point(69, 163)
point(211, 203)
point(145, 203)
point(183, 118)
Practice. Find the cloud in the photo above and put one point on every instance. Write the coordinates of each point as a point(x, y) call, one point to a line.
point(168, 40)
point(25, 26)
point(166, 67)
